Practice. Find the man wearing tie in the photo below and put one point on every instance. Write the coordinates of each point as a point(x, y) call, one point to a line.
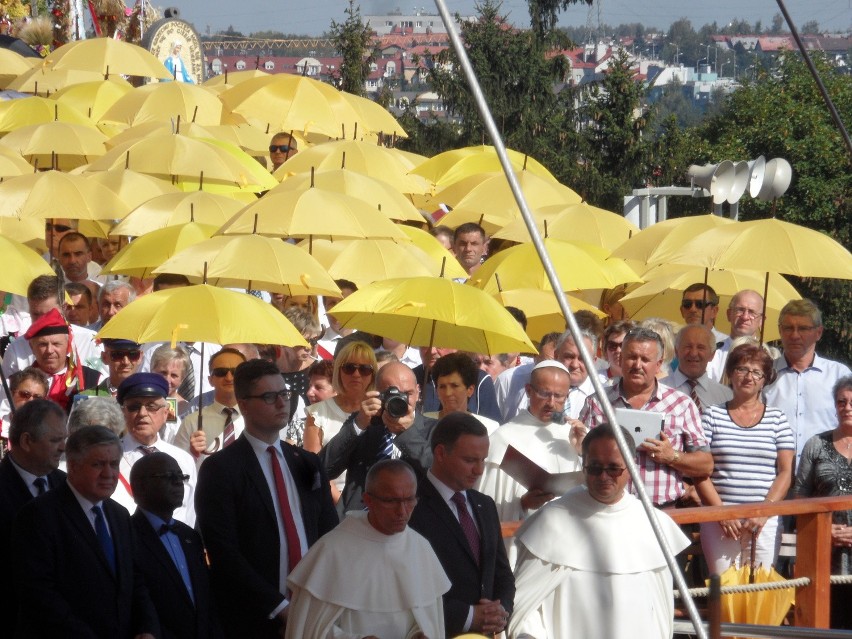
point(37, 434)
point(169, 553)
point(72, 553)
point(463, 528)
point(695, 347)
point(261, 504)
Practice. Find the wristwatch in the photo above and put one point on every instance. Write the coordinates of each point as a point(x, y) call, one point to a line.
point(676, 458)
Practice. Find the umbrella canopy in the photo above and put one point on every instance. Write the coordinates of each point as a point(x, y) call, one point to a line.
point(434, 249)
point(285, 102)
point(227, 80)
point(274, 266)
point(658, 239)
point(579, 266)
point(60, 145)
point(171, 209)
point(202, 313)
point(375, 192)
point(51, 193)
point(27, 231)
point(576, 223)
point(423, 311)
point(765, 607)
point(45, 80)
point(297, 214)
point(18, 46)
point(93, 98)
point(107, 56)
point(14, 64)
point(542, 310)
point(11, 162)
point(375, 117)
point(164, 102)
point(35, 110)
point(133, 188)
point(141, 256)
point(21, 265)
point(449, 167)
point(376, 161)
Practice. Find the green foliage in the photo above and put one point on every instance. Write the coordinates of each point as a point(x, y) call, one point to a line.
point(353, 41)
point(544, 13)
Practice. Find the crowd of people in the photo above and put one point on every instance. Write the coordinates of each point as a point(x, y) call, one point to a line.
point(355, 487)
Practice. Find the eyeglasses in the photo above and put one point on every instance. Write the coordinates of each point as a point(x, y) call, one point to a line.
point(612, 345)
point(350, 368)
point(221, 371)
point(542, 394)
point(745, 370)
point(59, 228)
point(408, 502)
point(281, 148)
point(312, 342)
point(789, 330)
point(27, 395)
point(596, 470)
point(745, 312)
point(272, 396)
point(151, 407)
point(699, 304)
point(117, 356)
point(175, 478)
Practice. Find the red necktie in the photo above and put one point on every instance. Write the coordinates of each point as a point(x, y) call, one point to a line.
point(294, 546)
point(228, 432)
point(467, 525)
point(693, 394)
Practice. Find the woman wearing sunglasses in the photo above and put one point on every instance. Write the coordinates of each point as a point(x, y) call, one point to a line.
point(25, 386)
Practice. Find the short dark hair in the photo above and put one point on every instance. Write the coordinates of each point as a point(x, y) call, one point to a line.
point(75, 288)
point(30, 373)
point(549, 338)
point(249, 372)
point(341, 284)
point(223, 351)
point(72, 237)
point(618, 327)
point(751, 353)
point(322, 368)
point(141, 469)
point(169, 279)
point(590, 322)
point(460, 363)
point(700, 287)
point(452, 426)
point(80, 441)
point(468, 227)
point(31, 418)
point(42, 288)
point(519, 315)
point(606, 431)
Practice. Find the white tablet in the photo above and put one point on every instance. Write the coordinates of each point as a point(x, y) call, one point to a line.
point(641, 424)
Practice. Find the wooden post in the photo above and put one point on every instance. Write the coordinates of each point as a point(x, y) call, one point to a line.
point(813, 559)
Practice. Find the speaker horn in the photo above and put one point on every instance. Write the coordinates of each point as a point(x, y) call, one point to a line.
point(741, 173)
point(719, 179)
point(757, 170)
point(776, 180)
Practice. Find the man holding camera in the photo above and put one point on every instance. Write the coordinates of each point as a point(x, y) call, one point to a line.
point(387, 426)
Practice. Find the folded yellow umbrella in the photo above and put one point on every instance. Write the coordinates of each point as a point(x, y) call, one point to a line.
point(177, 208)
point(21, 265)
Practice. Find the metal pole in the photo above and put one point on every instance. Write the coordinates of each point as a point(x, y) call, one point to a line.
point(500, 148)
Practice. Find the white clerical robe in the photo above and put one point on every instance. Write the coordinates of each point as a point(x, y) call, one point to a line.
point(357, 581)
point(587, 569)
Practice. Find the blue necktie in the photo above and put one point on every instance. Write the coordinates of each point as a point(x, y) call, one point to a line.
point(40, 484)
point(103, 537)
point(386, 447)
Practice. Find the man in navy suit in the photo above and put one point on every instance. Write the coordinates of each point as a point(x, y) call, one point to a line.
point(169, 553)
point(72, 553)
point(31, 468)
point(463, 527)
point(261, 503)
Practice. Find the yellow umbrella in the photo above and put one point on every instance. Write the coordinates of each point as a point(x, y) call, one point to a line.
point(579, 266)
point(542, 310)
point(285, 102)
point(373, 191)
point(251, 140)
point(164, 102)
point(274, 266)
point(171, 209)
point(45, 80)
point(107, 56)
point(376, 161)
point(423, 311)
point(576, 223)
point(140, 131)
point(375, 117)
point(59, 145)
point(50, 193)
point(768, 607)
point(28, 231)
point(451, 166)
point(25, 111)
point(133, 188)
point(14, 64)
point(141, 256)
point(227, 80)
point(202, 313)
point(660, 238)
point(11, 162)
point(312, 213)
point(434, 249)
point(93, 98)
point(21, 265)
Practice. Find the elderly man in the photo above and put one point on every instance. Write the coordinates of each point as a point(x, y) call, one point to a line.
point(699, 304)
point(695, 345)
point(261, 504)
point(512, 395)
point(142, 397)
point(72, 553)
point(123, 358)
point(282, 147)
point(682, 448)
point(803, 386)
point(470, 246)
point(611, 580)
point(169, 553)
point(405, 578)
point(386, 426)
point(745, 313)
point(30, 469)
point(463, 527)
point(113, 296)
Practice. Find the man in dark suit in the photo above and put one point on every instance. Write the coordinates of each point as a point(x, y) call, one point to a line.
point(373, 433)
point(169, 553)
point(72, 553)
point(261, 503)
point(37, 434)
point(463, 527)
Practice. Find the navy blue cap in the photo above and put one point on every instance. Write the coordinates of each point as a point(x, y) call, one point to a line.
point(142, 385)
point(121, 344)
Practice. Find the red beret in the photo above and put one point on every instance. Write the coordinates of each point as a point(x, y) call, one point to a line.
point(51, 323)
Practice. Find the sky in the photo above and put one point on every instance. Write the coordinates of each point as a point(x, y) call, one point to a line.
point(313, 17)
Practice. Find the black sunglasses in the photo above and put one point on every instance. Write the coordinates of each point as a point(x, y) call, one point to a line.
point(699, 304)
point(613, 471)
point(221, 371)
point(350, 368)
point(117, 356)
point(59, 228)
point(283, 148)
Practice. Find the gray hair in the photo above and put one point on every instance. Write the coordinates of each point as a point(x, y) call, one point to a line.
point(96, 411)
point(165, 354)
point(642, 334)
point(585, 334)
point(801, 308)
point(842, 384)
point(114, 285)
point(708, 335)
point(80, 441)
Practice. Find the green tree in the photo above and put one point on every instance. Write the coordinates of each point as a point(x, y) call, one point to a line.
point(352, 39)
point(544, 13)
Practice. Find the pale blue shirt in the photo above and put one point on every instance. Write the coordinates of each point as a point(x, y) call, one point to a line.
point(171, 542)
point(806, 397)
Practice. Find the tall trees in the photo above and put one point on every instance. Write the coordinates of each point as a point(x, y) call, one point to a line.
point(353, 39)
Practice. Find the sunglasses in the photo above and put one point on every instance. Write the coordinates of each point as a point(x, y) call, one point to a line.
point(176, 478)
point(117, 356)
point(151, 407)
point(612, 471)
point(59, 228)
point(281, 148)
point(28, 395)
point(364, 369)
point(272, 396)
point(699, 304)
point(221, 371)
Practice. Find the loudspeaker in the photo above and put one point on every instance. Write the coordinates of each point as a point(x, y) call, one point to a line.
point(741, 174)
point(776, 179)
point(719, 179)
point(757, 169)
point(171, 12)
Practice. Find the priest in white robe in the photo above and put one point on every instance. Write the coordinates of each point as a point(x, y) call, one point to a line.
point(589, 564)
point(372, 576)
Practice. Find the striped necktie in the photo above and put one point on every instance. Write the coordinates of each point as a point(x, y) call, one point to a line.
point(386, 446)
point(228, 432)
point(693, 393)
